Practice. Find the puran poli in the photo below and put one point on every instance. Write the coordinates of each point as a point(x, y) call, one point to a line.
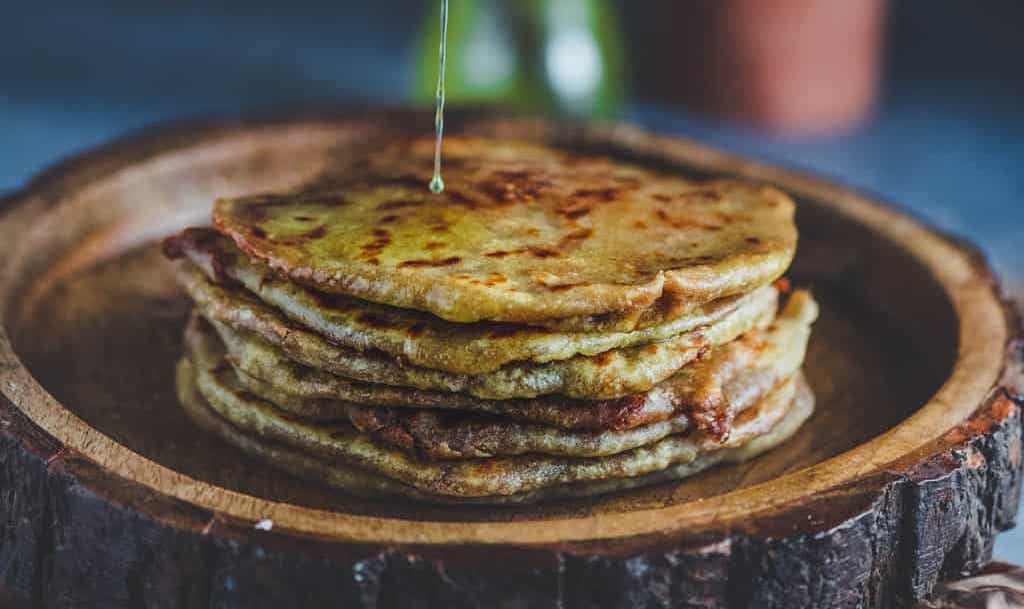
point(522, 233)
point(729, 379)
point(551, 325)
point(446, 434)
point(485, 477)
point(360, 482)
point(419, 338)
point(438, 433)
point(612, 374)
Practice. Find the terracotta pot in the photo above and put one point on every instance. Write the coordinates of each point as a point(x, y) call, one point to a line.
point(795, 66)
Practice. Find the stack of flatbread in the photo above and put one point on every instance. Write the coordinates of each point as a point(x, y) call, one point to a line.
point(550, 325)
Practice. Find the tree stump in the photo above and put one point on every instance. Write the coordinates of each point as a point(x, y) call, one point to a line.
point(110, 497)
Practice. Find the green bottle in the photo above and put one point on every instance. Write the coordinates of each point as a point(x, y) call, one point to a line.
point(563, 56)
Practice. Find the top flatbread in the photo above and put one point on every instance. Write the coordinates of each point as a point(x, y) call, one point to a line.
point(523, 233)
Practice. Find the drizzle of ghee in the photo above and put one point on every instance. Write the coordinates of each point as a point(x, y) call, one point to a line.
point(436, 183)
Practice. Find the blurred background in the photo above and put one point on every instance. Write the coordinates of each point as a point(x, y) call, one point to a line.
point(917, 100)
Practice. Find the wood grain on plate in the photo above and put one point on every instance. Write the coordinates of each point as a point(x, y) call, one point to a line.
point(108, 495)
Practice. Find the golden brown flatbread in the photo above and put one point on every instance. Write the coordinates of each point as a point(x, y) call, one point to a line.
point(362, 483)
point(522, 233)
point(306, 448)
point(612, 374)
point(419, 338)
point(710, 390)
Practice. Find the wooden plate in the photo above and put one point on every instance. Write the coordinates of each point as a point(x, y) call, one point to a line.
point(109, 496)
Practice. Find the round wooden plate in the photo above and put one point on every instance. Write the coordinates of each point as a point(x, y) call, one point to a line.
point(110, 497)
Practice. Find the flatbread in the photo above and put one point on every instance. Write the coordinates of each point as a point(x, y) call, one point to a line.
point(612, 374)
point(419, 338)
point(437, 433)
point(522, 233)
point(441, 434)
point(362, 483)
point(710, 390)
point(457, 435)
point(488, 477)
